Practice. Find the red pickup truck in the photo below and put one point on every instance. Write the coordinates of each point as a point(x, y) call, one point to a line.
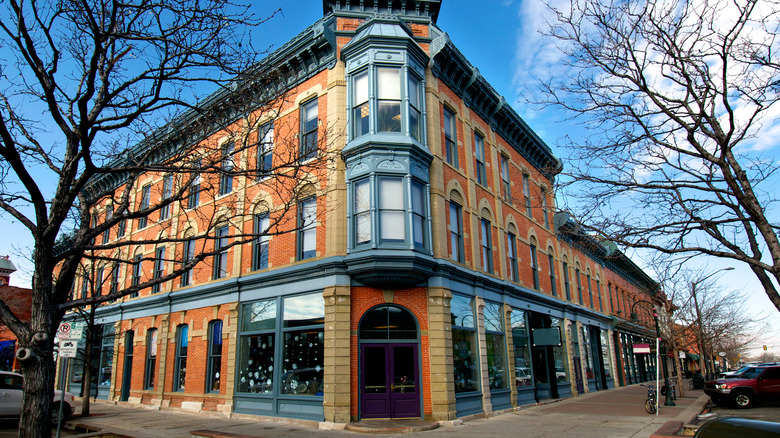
point(760, 382)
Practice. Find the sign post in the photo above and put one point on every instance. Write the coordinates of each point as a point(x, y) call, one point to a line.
point(68, 335)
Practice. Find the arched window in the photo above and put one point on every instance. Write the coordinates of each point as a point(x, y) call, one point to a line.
point(388, 322)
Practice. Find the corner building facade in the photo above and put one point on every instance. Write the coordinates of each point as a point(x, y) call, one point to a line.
point(436, 282)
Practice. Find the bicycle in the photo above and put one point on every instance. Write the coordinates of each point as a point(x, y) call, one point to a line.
point(650, 403)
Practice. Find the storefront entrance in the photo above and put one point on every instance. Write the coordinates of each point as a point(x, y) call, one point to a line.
point(390, 387)
point(389, 364)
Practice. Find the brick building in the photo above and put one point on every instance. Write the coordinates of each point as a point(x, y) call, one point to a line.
point(437, 280)
point(18, 299)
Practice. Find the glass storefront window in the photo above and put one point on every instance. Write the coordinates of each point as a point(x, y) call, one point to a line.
point(587, 352)
point(606, 357)
point(559, 353)
point(465, 350)
point(496, 350)
point(296, 367)
point(256, 364)
point(523, 372)
point(106, 355)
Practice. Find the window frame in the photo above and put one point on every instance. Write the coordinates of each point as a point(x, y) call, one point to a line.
point(180, 365)
point(511, 252)
point(307, 227)
point(159, 268)
point(221, 255)
point(146, 192)
point(456, 235)
point(308, 129)
point(226, 165)
point(151, 359)
point(188, 254)
point(450, 136)
point(167, 192)
point(486, 242)
point(551, 263)
point(479, 156)
point(527, 194)
point(214, 357)
point(535, 266)
point(260, 244)
point(265, 149)
point(506, 183)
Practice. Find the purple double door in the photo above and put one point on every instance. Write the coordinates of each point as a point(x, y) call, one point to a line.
point(389, 386)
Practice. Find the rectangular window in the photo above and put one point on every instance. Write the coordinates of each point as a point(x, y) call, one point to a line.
point(260, 244)
point(99, 282)
point(598, 292)
point(579, 285)
point(590, 291)
point(145, 193)
point(545, 216)
point(566, 286)
point(137, 272)
point(256, 357)
point(456, 232)
point(611, 301)
point(265, 150)
point(180, 371)
point(309, 118)
point(506, 185)
point(391, 210)
point(107, 232)
point(415, 121)
point(214, 361)
point(535, 266)
point(495, 346)
point(114, 278)
point(151, 358)
point(84, 285)
point(487, 246)
point(221, 257)
point(360, 106)
point(551, 264)
point(511, 251)
point(389, 99)
point(120, 228)
point(106, 352)
point(523, 371)
point(165, 211)
point(159, 268)
point(479, 155)
point(465, 350)
point(194, 189)
point(527, 194)
point(418, 214)
point(362, 211)
point(226, 175)
point(307, 228)
point(188, 254)
point(450, 137)
point(303, 347)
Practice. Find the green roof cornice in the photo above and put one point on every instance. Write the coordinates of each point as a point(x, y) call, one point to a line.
point(413, 10)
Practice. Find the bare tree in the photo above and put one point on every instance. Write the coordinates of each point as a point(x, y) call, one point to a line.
point(103, 97)
point(676, 95)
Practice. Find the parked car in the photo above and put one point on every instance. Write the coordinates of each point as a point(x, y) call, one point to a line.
point(753, 384)
point(11, 387)
point(732, 374)
point(522, 377)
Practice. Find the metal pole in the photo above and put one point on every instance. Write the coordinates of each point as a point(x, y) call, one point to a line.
point(702, 352)
point(62, 396)
point(669, 401)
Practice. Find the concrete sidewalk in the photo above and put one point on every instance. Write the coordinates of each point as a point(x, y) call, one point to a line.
point(617, 413)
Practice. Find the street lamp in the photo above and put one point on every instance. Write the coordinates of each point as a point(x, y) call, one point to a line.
point(703, 352)
point(668, 401)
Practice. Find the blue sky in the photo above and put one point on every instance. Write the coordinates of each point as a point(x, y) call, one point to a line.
point(497, 37)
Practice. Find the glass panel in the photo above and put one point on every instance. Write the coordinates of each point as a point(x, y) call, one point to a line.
point(559, 353)
point(360, 116)
point(260, 315)
point(465, 363)
point(388, 322)
point(523, 375)
point(493, 319)
point(389, 119)
point(391, 193)
point(462, 311)
point(302, 368)
point(389, 83)
point(403, 370)
point(496, 359)
point(606, 357)
point(375, 379)
point(256, 364)
point(361, 88)
point(392, 225)
point(362, 212)
point(106, 364)
point(304, 310)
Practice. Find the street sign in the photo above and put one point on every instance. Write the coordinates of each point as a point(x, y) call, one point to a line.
point(76, 330)
point(722, 354)
point(63, 332)
point(68, 348)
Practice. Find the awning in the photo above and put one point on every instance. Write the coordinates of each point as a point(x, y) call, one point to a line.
point(692, 356)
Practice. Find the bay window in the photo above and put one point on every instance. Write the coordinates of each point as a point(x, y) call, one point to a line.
point(391, 209)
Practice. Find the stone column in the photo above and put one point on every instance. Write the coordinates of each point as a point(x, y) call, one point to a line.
point(440, 340)
point(487, 404)
point(337, 379)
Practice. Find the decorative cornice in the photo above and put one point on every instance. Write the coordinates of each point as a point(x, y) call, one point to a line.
point(449, 65)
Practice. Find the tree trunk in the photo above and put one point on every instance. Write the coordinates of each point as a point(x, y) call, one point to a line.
point(38, 370)
point(86, 380)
